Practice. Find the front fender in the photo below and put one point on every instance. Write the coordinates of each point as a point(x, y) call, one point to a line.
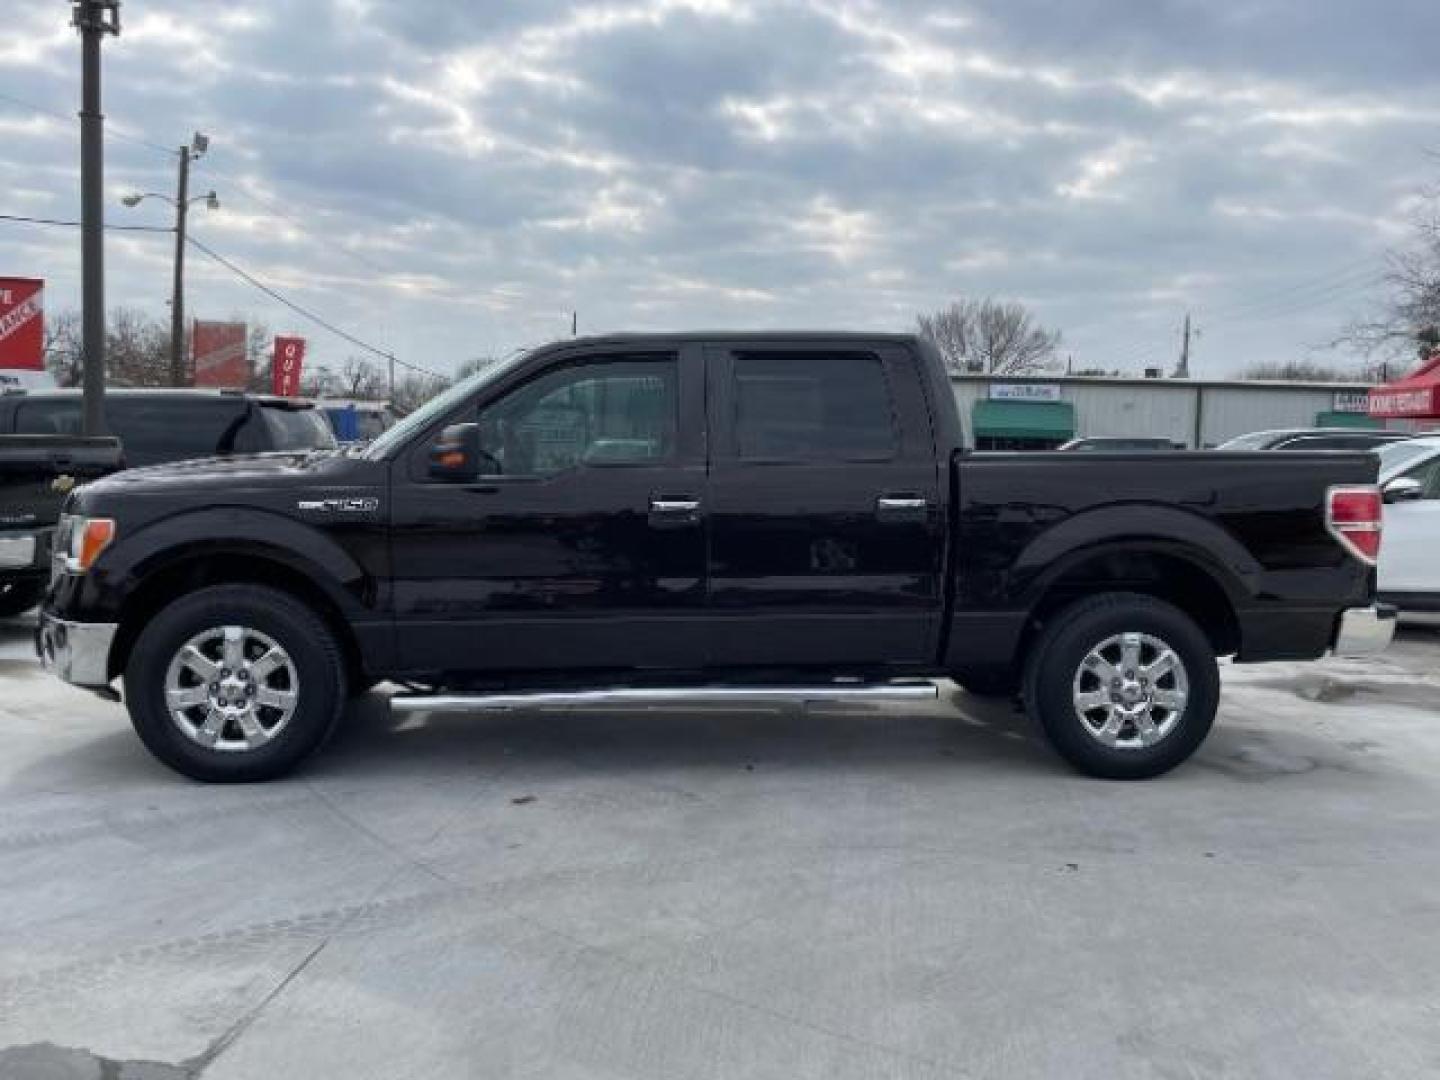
point(98, 595)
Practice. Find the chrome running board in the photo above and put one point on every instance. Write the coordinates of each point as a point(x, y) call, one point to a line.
point(676, 696)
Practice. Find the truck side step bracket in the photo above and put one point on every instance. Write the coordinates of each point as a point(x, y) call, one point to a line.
point(678, 697)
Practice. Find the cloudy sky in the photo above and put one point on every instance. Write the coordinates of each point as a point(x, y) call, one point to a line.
point(450, 178)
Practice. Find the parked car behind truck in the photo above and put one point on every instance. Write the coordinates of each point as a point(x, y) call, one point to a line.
point(733, 517)
point(1409, 576)
point(37, 472)
point(156, 426)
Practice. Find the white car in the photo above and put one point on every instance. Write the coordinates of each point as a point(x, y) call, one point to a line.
point(1410, 545)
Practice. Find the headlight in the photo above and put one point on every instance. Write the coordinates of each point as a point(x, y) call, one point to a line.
point(83, 539)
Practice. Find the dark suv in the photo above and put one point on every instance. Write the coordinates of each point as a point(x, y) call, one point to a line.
point(159, 426)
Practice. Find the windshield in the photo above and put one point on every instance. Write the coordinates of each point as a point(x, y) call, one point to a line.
point(437, 407)
point(1399, 456)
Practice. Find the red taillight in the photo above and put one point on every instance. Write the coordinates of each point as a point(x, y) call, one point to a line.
point(1353, 516)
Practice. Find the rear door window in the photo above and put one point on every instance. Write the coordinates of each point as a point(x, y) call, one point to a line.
point(812, 406)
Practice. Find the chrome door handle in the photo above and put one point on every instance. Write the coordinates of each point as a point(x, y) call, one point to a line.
point(674, 506)
point(897, 503)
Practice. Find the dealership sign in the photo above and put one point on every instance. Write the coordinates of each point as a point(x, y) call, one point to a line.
point(1351, 401)
point(1417, 395)
point(22, 324)
point(1024, 392)
point(219, 351)
point(285, 365)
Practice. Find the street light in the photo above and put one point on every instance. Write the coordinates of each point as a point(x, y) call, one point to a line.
point(182, 203)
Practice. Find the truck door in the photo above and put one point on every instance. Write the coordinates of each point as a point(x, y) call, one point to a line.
point(825, 509)
point(581, 545)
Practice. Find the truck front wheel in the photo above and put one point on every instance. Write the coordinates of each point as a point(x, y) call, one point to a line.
point(1124, 685)
point(235, 683)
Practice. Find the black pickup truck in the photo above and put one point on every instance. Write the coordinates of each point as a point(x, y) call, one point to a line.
point(704, 517)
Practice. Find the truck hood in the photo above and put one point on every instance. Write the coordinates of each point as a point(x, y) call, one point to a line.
point(220, 475)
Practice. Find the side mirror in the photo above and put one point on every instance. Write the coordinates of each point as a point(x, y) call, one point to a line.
point(456, 455)
point(1403, 489)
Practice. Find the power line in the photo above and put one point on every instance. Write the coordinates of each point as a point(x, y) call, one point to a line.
point(306, 313)
point(24, 220)
point(69, 117)
point(247, 189)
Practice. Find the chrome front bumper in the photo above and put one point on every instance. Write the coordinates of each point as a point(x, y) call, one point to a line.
point(77, 652)
point(1365, 631)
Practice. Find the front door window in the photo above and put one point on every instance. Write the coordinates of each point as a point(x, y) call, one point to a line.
point(620, 412)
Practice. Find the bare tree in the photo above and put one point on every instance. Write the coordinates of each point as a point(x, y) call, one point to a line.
point(995, 337)
point(259, 357)
point(1411, 314)
point(360, 378)
point(62, 347)
point(474, 366)
point(1298, 371)
point(319, 381)
point(137, 349)
point(413, 389)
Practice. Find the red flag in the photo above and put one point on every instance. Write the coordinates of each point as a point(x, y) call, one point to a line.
point(22, 324)
point(285, 365)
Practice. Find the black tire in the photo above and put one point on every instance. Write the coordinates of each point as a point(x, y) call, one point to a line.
point(1055, 661)
point(310, 647)
point(18, 597)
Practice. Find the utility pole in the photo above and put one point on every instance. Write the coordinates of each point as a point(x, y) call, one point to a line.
point(177, 287)
point(574, 323)
point(94, 19)
point(198, 145)
point(1182, 369)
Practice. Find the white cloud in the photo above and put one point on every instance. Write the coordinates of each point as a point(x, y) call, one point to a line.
point(455, 176)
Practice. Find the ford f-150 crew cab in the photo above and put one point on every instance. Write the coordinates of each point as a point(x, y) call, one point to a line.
point(704, 517)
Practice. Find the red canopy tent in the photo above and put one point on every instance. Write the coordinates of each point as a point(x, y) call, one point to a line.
point(1417, 396)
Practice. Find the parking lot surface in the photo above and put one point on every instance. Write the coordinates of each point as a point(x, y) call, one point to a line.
point(738, 894)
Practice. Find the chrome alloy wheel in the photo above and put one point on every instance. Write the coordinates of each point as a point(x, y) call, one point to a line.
point(231, 688)
point(1130, 691)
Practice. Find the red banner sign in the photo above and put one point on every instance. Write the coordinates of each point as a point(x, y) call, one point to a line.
point(22, 324)
point(285, 365)
point(1415, 396)
point(219, 351)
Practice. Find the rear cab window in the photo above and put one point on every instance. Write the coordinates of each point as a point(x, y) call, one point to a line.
point(294, 430)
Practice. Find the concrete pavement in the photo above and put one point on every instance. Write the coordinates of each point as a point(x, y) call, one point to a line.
point(846, 894)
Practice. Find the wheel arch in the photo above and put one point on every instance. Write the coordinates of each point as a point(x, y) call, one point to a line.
point(184, 569)
point(1181, 574)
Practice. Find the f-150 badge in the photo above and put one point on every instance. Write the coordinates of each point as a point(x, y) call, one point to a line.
point(340, 506)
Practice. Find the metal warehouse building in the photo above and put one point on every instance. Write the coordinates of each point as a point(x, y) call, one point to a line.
point(1039, 412)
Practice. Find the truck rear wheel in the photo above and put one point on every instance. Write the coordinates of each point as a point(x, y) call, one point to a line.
point(1125, 686)
point(235, 683)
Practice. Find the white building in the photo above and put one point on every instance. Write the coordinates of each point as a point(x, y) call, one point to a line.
point(1038, 412)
